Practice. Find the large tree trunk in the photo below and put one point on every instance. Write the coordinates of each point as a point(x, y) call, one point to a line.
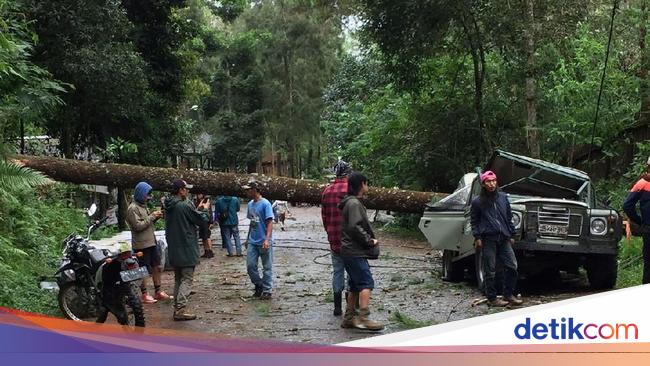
point(295, 190)
point(532, 135)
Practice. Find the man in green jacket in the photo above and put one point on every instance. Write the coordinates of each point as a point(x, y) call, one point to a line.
point(181, 219)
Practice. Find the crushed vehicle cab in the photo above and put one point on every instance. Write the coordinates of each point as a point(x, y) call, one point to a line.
point(559, 223)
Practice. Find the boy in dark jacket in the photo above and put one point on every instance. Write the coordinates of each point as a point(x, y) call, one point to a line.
point(181, 220)
point(493, 231)
point(358, 244)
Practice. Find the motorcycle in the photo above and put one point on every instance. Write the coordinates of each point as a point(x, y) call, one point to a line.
point(93, 282)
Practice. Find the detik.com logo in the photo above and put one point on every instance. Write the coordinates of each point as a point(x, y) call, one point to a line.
point(568, 328)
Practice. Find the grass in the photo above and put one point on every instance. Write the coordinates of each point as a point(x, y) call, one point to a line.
point(630, 267)
point(263, 309)
point(404, 232)
point(403, 321)
point(329, 297)
point(415, 281)
point(397, 277)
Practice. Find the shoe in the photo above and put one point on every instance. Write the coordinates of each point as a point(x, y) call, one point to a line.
point(348, 319)
point(239, 255)
point(514, 301)
point(162, 295)
point(147, 299)
point(182, 314)
point(499, 303)
point(338, 299)
point(363, 322)
point(208, 254)
point(230, 255)
point(258, 291)
point(265, 296)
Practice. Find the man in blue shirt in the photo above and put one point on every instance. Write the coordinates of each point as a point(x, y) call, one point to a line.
point(260, 241)
point(226, 213)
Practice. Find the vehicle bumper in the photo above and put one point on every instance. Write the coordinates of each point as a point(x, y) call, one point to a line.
point(568, 246)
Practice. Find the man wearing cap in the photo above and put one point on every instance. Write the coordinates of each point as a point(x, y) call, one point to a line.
point(332, 221)
point(143, 239)
point(181, 219)
point(491, 219)
point(260, 241)
point(640, 193)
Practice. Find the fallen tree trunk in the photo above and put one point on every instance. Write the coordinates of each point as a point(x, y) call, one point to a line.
point(214, 183)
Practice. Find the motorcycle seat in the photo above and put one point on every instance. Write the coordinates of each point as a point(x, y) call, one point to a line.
point(97, 255)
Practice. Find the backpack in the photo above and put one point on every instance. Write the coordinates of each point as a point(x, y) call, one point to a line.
point(223, 216)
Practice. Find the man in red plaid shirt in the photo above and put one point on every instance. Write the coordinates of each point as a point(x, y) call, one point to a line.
point(332, 220)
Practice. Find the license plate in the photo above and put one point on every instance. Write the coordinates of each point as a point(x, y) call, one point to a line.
point(558, 230)
point(134, 274)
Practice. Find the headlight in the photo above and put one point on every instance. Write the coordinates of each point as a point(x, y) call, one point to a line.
point(598, 226)
point(516, 219)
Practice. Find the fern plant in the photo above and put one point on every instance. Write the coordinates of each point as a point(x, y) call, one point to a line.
point(18, 177)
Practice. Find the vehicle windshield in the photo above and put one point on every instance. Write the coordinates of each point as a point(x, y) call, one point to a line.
point(454, 202)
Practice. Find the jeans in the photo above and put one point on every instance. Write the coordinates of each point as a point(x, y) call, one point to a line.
point(493, 248)
point(183, 278)
point(338, 273)
point(228, 231)
point(646, 259)
point(254, 253)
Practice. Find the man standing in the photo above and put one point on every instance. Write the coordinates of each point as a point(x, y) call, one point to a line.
point(204, 229)
point(226, 211)
point(143, 239)
point(358, 245)
point(181, 219)
point(331, 215)
point(640, 193)
point(260, 241)
point(493, 231)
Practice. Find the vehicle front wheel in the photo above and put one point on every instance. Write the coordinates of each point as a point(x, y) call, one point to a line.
point(452, 271)
point(602, 270)
point(77, 302)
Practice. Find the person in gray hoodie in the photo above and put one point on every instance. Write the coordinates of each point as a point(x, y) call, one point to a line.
point(143, 239)
point(358, 244)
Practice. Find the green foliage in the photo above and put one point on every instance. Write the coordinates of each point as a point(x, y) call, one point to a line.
point(32, 226)
point(27, 91)
point(403, 321)
point(88, 45)
point(13, 176)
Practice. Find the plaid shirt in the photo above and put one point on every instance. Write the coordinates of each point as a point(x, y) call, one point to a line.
point(331, 214)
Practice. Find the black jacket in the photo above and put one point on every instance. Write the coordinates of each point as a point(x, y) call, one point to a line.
point(493, 219)
point(356, 240)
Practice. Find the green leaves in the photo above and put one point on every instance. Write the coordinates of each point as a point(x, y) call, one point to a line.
point(13, 176)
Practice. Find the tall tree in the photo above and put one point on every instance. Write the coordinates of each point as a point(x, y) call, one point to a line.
point(298, 57)
point(87, 44)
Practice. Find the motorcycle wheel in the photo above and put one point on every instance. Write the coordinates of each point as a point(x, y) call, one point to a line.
point(78, 302)
point(133, 307)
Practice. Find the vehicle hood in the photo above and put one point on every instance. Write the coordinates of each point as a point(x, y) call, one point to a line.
point(525, 176)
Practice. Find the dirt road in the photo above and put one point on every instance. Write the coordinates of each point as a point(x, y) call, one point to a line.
point(408, 289)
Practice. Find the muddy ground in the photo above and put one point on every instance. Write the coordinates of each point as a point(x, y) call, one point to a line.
point(408, 289)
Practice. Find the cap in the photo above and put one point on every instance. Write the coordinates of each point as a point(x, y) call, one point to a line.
point(489, 175)
point(179, 183)
point(342, 169)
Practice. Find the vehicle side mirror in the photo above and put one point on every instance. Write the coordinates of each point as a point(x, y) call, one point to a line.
point(92, 210)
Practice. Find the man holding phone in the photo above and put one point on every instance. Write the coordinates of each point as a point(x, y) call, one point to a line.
point(260, 241)
point(181, 219)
